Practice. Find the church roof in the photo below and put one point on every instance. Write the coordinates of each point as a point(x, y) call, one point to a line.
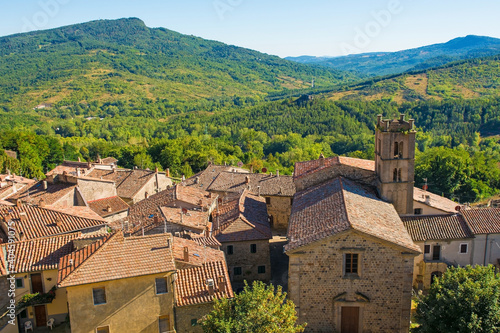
point(266, 184)
point(340, 205)
point(308, 167)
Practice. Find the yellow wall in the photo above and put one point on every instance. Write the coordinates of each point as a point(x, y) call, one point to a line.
point(131, 305)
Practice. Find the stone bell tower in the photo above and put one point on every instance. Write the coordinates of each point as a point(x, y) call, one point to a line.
point(395, 162)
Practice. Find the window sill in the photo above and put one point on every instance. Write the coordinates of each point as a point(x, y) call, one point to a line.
point(351, 276)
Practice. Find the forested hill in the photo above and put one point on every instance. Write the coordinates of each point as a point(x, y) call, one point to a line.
point(466, 79)
point(123, 60)
point(384, 63)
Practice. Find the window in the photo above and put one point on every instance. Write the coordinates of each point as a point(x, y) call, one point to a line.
point(268, 200)
point(24, 314)
point(261, 269)
point(427, 249)
point(436, 252)
point(164, 324)
point(463, 248)
point(194, 322)
point(417, 211)
point(230, 249)
point(19, 283)
point(351, 263)
point(379, 146)
point(102, 329)
point(401, 149)
point(395, 175)
point(237, 271)
point(99, 295)
point(399, 175)
point(291, 201)
point(253, 248)
point(396, 149)
point(161, 286)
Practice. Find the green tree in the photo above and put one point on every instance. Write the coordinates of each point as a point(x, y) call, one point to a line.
point(463, 300)
point(257, 309)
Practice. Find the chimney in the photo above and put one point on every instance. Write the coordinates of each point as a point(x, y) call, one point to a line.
point(58, 222)
point(108, 208)
point(113, 168)
point(402, 117)
point(247, 179)
point(79, 160)
point(70, 262)
point(411, 121)
point(78, 172)
point(207, 232)
point(155, 219)
point(45, 185)
point(197, 180)
point(8, 172)
point(379, 118)
point(210, 284)
point(427, 199)
point(277, 173)
point(186, 254)
point(258, 191)
point(156, 169)
point(41, 203)
point(89, 165)
point(167, 172)
point(221, 282)
point(19, 203)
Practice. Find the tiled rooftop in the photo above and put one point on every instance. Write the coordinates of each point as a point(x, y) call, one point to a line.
point(203, 179)
point(33, 194)
point(108, 206)
point(434, 200)
point(198, 254)
point(191, 218)
point(242, 219)
point(206, 241)
point(309, 167)
point(128, 182)
point(270, 185)
point(191, 286)
point(340, 205)
point(483, 220)
point(38, 254)
point(35, 222)
point(70, 167)
point(437, 227)
point(117, 258)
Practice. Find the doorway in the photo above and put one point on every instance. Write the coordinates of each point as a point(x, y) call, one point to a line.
point(349, 319)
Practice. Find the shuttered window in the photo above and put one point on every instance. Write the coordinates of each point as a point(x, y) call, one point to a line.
point(99, 295)
point(161, 286)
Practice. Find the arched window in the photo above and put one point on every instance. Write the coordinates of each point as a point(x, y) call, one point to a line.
point(399, 175)
point(401, 149)
point(396, 149)
point(395, 175)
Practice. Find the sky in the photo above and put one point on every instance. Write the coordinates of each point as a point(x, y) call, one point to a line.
point(278, 27)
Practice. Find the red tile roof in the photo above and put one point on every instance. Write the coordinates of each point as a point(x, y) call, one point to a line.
point(80, 211)
point(70, 168)
point(340, 205)
point(483, 220)
point(434, 200)
point(38, 254)
point(108, 206)
point(437, 227)
point(207, 241)
point(33, 194)
point(254, 182)
point(35, 222)
point(198, 254)
point(242, 220)
point(309, 167)
point(203, 179)
point(117, 258)
point(192, 219)
point(191, 286)
point(128, 182)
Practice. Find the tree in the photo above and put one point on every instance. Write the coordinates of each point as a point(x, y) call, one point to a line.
point(462, 300)
point(258, 309)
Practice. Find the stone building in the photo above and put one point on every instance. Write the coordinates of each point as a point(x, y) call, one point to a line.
point(241, 226)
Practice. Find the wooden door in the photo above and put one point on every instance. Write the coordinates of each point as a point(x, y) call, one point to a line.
point(350, 319)
point(436, 252)
point(40, 316)
point(36, 283)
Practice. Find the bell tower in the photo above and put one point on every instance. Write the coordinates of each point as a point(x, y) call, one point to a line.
point(395, 162)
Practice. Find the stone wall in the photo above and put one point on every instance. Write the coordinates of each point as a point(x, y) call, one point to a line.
point(249, 262)
point(382, 289)
point(186, 315)
point(280, 209)
point(93, 189)
point(157, 183)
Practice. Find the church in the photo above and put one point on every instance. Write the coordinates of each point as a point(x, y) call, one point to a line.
point(351, 257)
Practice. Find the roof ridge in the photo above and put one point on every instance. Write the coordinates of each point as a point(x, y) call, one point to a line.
point(46, 237)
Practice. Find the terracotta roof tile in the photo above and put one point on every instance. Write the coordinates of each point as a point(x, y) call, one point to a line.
point(203, 179)
point(12, 178)
point(35, 222)
point(242, 219)
point(269, 185)
point(70, 167)
point(437, 227)
point(198, 254)
point(434, 200)
point(483, 220)
point(340, 205)
point(117, 257)
point(38, 254)
point(207, 241)
point(109, 160)
point(80, 211)
point(108, 206)
point(128, 182)
point(191, 287)
point(309, 167)
point(192, 219)
point(33, 194)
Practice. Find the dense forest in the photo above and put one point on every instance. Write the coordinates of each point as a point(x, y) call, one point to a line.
point(153, 97)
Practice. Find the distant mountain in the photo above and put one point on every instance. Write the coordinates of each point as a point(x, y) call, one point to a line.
point(123, 60)
point(384, 63)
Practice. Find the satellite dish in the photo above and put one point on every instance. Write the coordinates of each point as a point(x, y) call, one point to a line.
point(264, 170)
point(240, 164)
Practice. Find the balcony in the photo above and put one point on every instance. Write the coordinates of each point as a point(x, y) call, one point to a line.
point(36, 299)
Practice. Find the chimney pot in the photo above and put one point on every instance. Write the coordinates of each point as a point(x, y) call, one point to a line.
point(45, 184)
point(379, 118)
point(402, 117)
point(221, 282)
point(79, 160)
point(156, 169)
point(186, 254)
point(412, 122)
point(247, 179)
point(19, 203)
point(168, 172)
point(108, 208)
point(277, 173)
